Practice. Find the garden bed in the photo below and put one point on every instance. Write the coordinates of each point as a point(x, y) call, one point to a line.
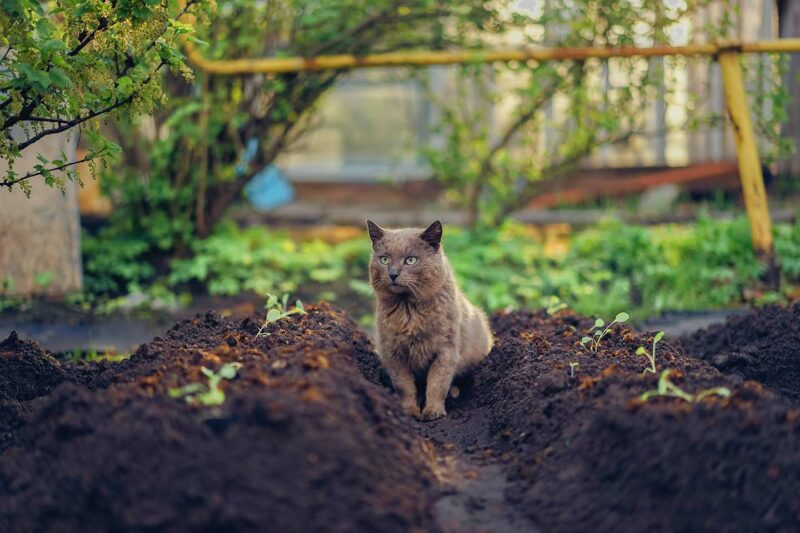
point(546, 436)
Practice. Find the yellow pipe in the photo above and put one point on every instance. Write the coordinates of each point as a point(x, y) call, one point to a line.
point(754, 192)
point(422, 58)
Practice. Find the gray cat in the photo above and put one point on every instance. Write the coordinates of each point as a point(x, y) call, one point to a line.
point(426, 327)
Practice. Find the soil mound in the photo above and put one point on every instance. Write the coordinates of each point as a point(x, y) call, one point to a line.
point(763, 345)
point(302, 442)
point(26, 372)
point(584, 453)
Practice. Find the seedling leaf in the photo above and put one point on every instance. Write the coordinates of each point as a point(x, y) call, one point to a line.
point(229, 370)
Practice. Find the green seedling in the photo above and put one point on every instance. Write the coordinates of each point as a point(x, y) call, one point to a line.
point(599, 330)
point(278, 309)
point(554, 305)
point(651, 356)
point(93, 356)
point(572, 367)
point(669, 389)
point(211, 394)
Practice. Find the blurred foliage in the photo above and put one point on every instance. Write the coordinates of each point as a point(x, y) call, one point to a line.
point(254, 259)
point(185, 164)
point(67, 64)
point(563, 111)
point(606, 269)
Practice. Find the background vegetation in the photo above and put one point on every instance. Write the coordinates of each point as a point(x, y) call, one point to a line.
point(605, 269)
point(186, 145)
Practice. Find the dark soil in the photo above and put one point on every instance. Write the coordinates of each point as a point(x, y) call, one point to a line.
point(26, 373)
point(763, 345)
point(305, 442)
point(585, 454)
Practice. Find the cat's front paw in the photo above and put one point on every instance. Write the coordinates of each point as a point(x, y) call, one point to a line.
point(411, 409)
point(432, 412)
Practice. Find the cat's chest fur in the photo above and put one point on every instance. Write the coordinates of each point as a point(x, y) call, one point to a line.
point(414, 334)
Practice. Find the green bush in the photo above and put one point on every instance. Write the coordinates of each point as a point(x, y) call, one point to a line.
point(608, 268)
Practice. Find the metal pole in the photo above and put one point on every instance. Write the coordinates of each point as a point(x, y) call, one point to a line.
point(755, 196)
point(394, 59)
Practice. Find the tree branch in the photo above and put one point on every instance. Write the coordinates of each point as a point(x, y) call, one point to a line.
point(102, 25)
point(65, 125)
point(11, 182)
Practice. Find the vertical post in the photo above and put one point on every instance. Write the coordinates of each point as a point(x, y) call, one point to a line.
point(755, 196)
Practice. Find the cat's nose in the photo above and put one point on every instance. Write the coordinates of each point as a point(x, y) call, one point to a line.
point(393, 275)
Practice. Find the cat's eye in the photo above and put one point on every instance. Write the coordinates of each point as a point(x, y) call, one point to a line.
point(384, 259)
point(411, 260)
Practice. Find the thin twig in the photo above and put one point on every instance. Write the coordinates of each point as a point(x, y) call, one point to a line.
point(29, 175)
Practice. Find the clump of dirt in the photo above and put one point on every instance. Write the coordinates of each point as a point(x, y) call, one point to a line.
point(763, 345)
point(585, 453)
point(302, 442)
point(26, 373)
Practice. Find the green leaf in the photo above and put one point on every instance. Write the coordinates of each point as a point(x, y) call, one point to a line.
point(641, 351)
point(44, 27)
point(212, 397)
point(39, 79)
point(60, 78)
point(191, 388)
point(125, 87)
point(658, 337)
point(207, 372)
point(273, 315)
point(622, 317)
point(229, 370)
point(52, 45)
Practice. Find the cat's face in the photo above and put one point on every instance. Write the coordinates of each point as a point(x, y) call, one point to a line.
point(406, 261)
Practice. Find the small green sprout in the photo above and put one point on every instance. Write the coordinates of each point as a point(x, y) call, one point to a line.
point(600, 329)
point(211, 394)
point(94, 356)
point(651, 356)
point(668, 388)
point(572, 367)
point(278, 309)
point(554, 305)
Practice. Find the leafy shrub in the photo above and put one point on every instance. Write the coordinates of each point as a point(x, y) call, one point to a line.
point(609, 267)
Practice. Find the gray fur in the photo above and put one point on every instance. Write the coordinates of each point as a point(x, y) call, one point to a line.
point(426, 327)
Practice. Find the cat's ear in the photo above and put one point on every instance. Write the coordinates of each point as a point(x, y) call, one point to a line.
point(433, 235)
point(375, 231)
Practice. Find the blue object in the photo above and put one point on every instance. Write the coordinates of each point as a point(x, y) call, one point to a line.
point(269, 189)
point(248, 155)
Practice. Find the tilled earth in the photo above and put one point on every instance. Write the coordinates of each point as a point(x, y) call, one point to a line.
point(546, 435)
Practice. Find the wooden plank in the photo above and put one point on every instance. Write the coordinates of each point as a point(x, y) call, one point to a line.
point(619, 187)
